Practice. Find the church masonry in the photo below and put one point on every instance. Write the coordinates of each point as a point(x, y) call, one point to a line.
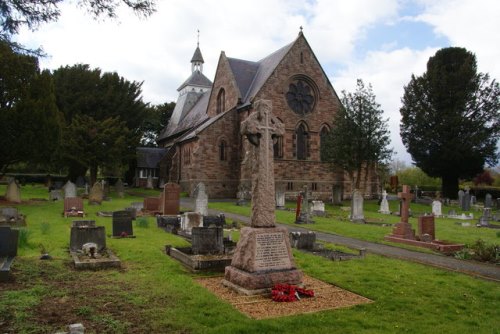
point(203, 139)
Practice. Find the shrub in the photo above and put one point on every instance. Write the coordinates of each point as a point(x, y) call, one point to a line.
point(486, 253)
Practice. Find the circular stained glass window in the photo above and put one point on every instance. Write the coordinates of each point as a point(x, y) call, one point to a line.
point(300, 97)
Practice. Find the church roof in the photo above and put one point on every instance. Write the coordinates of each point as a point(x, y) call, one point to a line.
point(197, 57)
point(251, 76)
point(196, 79)
point(149, 157)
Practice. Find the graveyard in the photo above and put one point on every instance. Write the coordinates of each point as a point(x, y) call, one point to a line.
point(153, 292)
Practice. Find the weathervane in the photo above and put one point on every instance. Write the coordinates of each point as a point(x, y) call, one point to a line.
point(198, 43)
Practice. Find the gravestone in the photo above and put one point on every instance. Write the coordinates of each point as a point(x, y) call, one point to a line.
point(151, 204)
point(96, 195)
point(69, 189)
point(403, 229)
point(83, 232)
point(241, 195)
point(171, 199)
point(303, 209)
point(485, 219)
point(466, 201)
point(436, 208)
point(303, 240)
point(263, 255)
point(73, 207)
point(171, 224)
point(384, 204)
point(120, 188)
point(280, 199)
point(461, 195)
point(200, 199)
point(426, 228)
point(55, 195)
point(472, 200)
point(138, 206)
point(122, 224)
point(149, 182)
point(13, 193)
point(394, 182)
point(219, 220)
point(357, 214)
point(318, 208)
point(190, 220)
point(337, 195)
point(12, 217)
point(488, 202)
point(8, 250)
point(207, 240)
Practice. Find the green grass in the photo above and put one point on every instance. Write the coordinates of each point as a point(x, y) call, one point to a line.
point(153, 293)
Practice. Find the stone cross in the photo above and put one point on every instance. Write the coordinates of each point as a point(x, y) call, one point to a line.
point(406, 198)
point(260, 128)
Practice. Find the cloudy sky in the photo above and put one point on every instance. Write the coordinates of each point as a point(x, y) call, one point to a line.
point(382, 42)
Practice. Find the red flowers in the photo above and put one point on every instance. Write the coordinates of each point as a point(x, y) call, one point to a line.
point(289, 293)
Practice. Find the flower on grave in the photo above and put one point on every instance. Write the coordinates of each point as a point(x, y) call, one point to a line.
point(123, 234)
point(289, 293)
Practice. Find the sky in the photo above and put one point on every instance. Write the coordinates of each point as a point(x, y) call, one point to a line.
point(382, 42)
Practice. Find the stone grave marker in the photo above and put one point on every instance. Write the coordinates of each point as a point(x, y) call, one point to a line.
point(171, 199)
point(303, 240)
point(138, 206)
point(488, 202)
point(461, 194)
point(171, 224)
point(426, 228)
point(73, 207)
point(241, 195)
point(337, 195)
point(96, 195)
point(149, 182)
point(69, 189)
point(219, 220)
point(190, 220)
point(122, 224)
point(357, 214)
point(263, 255)
point(12, 217)
point(207, 240)
point(318, 208)
point(55, 195)
point(151, 204)
point(280, 199)
point(8, 250)
point(437, 208)
point(466, 201)
point(13, 193)
point(384, 204)
point(200, 199)
point(304, 213)
point(403, 229)
point(83, 232)
point(485, 219)
point(120, 188)
point(473, 200)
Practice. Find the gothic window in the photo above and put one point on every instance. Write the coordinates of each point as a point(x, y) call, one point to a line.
point(302, 142)
point(325, 130)
point(301, 97)
point(222, 151)
point(278, 145)
point(221, 101)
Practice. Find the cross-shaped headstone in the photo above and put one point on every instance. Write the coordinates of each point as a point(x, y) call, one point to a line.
point(260, 128)
point(406, 198)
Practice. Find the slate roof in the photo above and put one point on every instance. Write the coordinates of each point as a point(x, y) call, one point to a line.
point(196, 79)
point(149, 157)
point(197, 57)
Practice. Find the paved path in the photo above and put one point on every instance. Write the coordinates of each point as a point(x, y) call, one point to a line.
point(486, 271)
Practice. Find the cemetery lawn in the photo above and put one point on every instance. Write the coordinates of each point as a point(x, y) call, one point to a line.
point(337, 222)
point(153, 293)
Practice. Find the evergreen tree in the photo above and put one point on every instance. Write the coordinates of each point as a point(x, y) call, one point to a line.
point(359, 137)
point(157, 119)
point(450, 118)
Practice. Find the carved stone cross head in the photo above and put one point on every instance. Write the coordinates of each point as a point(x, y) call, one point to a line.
point(262, 124)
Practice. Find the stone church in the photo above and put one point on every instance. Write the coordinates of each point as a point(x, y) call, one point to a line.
point(203, 139)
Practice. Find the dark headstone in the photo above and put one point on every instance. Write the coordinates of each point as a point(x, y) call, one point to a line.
point(151, 204)
point(82, 235)
point(8, 241)
point(171, 224)
point(207, 240)
point(122, 224)
point(426, 226)
point(303, 240)
point(218, 221)
point(171, 199)
point(337, 195)
point(488, 202)
point(466, 201)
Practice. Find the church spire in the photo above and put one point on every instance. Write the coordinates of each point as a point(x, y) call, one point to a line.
point(197, 60)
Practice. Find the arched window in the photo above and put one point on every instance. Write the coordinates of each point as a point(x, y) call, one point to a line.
point(278, 146)
point(222, 150)
point(302, 142)
point(221, 101)
point(323, 134)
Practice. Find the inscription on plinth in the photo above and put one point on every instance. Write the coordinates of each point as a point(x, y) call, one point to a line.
point(271, 252)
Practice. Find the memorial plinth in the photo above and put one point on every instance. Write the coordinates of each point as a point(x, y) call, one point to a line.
point(263, 255)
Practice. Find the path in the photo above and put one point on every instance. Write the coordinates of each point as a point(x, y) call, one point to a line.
point(486, 271)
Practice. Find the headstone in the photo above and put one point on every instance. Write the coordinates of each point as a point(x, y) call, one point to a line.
point(280, 199)
point(171, 199)
point(207, 240)
point(394, 182)
point(13, 193)
point(357, 214)
point(120, 188)
point(426, 226)
point(241, 195)
point(69, 189)
point(485, 219)
point(472, 200)
point(87, 190)
point(219, 220)
point(403, 229)
point(190, 220)
point(12, 217)
point(55, 195)
point(73, 206)
point(303, 240)
point(263, 255)
point(122, 224)
point(436, 208)
point(80, 181)
point(461, 195)
point(105, 188)
point(200, 199)
point(488, 202)
point(384, 204)
point(8, 250)
point(304, 211)
point(138, 206)
point(149, 182)
point(96, 195)
point(82, 234)
point(337, 195)
point(318, 208)
point(466, 201)
point(171, 224)
point(151, 204)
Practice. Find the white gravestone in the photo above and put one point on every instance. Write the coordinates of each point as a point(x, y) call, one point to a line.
point(201, 200)
point(436, 208)
point(357, 214)
point(384, 205)
point(69, 190)
point(318, 208)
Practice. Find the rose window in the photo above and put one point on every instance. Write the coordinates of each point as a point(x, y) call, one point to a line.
point(300, 97)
